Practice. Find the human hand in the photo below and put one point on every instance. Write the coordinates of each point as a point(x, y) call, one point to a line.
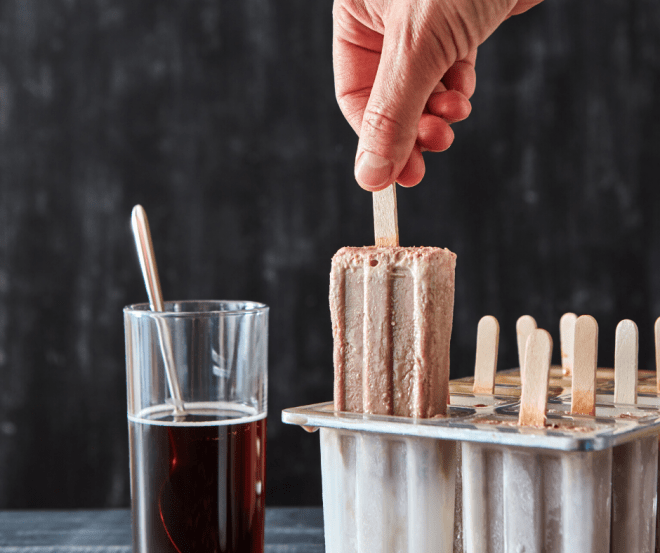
point(404, 70)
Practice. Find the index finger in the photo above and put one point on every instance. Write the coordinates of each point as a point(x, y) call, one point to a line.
point(355, 54)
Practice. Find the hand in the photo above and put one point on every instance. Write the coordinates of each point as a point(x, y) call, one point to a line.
point(404, 70)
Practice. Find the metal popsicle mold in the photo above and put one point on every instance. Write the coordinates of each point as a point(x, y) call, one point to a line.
point(469, 421)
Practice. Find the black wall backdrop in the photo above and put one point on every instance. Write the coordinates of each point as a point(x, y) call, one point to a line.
point(220, 118)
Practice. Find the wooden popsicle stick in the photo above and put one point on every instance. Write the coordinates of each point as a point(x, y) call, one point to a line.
point(534, 398)
point(524, 328)
point(566, 339)
point(485, 365)
point(583, 394)
point(625, 362)
point(656, 328)
point(386, 226)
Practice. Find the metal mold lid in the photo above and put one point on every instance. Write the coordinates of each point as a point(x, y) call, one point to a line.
point(496, 425)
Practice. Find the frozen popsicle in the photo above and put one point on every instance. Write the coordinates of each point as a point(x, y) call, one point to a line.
point(536, 502)
point(634, 464)
point(533, 500)
point(392, 312)
point(387, 493)
point(483, 388)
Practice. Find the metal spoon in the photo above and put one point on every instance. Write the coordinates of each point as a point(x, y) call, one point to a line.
point(145, 250)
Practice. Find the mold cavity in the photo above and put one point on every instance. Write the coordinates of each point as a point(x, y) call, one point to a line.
point(373, 262)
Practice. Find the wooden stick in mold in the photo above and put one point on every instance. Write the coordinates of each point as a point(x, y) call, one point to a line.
point(625, 362)
point(524, 328)
point(566, 338)
point(534, 398)
point(583, 394)
point(488, 337)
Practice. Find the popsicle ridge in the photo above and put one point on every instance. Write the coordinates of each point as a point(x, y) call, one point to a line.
point(392, 313)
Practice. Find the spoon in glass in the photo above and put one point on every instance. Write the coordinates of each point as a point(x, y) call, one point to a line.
point(145, 250)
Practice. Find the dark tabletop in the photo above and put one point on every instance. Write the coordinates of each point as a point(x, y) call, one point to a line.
point(288, 530)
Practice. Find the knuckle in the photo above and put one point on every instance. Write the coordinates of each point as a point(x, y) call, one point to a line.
point(351, 106)
point(377, 122)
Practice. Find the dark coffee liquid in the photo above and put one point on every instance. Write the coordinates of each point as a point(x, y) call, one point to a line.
point(197, 487)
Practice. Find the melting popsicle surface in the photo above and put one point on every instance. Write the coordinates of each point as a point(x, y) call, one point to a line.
point(392, 313)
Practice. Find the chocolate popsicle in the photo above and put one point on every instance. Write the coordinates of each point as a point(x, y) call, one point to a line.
point(392, 312)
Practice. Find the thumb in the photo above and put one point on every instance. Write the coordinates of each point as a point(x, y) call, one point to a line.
point(407, 74)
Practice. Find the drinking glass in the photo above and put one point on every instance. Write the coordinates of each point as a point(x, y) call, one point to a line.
point(197, 401)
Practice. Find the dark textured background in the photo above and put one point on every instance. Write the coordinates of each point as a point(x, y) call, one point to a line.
point(219, 117)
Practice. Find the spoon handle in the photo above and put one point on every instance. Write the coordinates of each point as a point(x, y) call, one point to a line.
point(145, 249)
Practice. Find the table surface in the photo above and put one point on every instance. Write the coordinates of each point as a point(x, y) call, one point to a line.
point(288, 530)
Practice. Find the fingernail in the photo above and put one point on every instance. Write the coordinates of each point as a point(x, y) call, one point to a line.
point(372, 171)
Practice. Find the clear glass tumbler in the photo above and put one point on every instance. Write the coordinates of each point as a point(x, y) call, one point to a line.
point(197, 401)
